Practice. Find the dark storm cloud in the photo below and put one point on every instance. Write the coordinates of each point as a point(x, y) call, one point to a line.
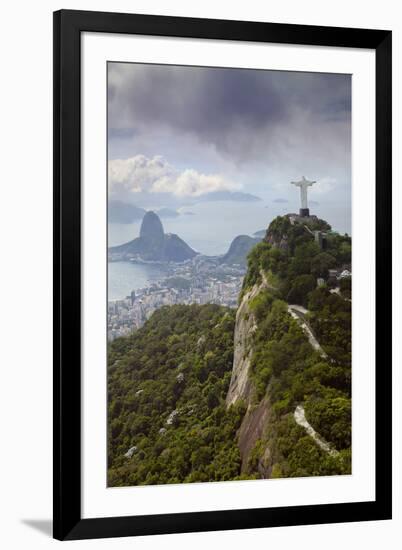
point(204, 101)
point(239, 112)
point(120, 133)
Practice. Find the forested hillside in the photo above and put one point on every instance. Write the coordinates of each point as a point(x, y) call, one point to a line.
point(297, 357)
point(167, 388)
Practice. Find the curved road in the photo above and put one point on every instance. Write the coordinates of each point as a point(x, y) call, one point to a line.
point(301, 419)
point(298, 313)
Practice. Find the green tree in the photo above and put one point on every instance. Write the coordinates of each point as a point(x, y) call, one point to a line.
point(302, 285)
point(321, 263)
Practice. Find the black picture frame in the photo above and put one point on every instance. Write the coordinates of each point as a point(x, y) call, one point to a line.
point(68, 26)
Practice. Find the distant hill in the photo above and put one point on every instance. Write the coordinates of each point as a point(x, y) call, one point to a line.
point(122, 212)
point(153, 245)
point(238, 250)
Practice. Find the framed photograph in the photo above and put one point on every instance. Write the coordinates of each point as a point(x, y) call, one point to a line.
point(222, 204)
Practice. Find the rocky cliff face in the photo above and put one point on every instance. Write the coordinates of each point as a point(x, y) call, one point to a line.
point(254, 427)
point(240, 386)
point(277, 241)
point(151, 227)
point(256, 419)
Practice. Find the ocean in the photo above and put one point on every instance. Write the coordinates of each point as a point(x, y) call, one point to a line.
point(123, 277)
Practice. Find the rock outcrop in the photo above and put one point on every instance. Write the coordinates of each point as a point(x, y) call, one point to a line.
point(153, 245)
point(240, 385)
point(256, 419)
point(280, 241)
point(152, 228)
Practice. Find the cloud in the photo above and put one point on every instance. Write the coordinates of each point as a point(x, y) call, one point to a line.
point(220, 126)
point(243, 114)
point(210, 102)
point(140, 174)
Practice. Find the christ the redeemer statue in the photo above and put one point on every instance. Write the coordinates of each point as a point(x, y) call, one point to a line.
point(303, 184)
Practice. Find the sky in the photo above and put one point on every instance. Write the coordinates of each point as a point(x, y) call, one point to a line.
point(176, 134)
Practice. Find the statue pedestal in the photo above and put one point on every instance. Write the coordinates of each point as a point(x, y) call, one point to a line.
point(304, 212)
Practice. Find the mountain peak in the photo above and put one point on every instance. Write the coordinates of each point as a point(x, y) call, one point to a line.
point(153, 244)
point(151, 227)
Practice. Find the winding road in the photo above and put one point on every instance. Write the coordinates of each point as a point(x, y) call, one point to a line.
point(298, 313)
point(301, 419)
